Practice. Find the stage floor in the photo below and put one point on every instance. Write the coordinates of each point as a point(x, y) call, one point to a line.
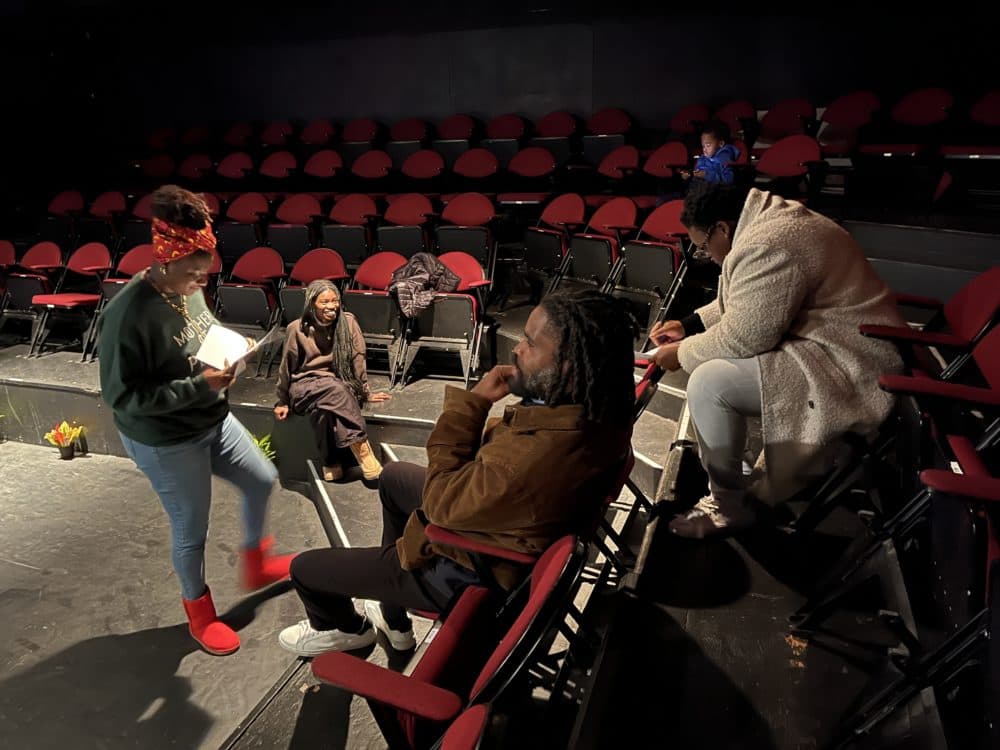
point(95, 650)
point(94, 646)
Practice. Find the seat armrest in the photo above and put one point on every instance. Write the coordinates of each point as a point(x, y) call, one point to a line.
point(568, 226)
point(913, 336)
point(390, 688)
point(441, 535)
point(913, 386)
point(963, 485)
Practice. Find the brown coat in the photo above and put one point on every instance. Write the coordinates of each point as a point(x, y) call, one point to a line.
point(304, 356)
point(793, 291)
point(540, 472)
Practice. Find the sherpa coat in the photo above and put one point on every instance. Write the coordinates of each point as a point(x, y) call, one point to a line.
point(793, 291)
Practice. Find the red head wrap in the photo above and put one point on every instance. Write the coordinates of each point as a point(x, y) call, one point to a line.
point(172, 242)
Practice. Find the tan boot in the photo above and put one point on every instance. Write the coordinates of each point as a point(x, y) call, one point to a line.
point(333, 473)
point(370, 466)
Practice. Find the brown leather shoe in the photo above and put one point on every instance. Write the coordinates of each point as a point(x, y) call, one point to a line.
point(370, 466)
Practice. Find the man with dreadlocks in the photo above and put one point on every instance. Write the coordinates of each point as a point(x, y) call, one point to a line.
point(540, 471)
point(324, 370)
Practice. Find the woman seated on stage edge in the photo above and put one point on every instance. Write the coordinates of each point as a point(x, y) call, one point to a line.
point(323, 370)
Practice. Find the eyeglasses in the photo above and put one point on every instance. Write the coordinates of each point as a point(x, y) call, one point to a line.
point(701, 250)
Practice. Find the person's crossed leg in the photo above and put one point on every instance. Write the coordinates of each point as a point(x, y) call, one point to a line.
point(327, 580)
point(722, 394)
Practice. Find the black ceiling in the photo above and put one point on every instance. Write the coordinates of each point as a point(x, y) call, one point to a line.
point(294, 19)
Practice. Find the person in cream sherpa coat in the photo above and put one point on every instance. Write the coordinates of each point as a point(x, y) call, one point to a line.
point(779, 342)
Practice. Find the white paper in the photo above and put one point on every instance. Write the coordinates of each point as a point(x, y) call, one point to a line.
point(224, 347)
point(646, 355)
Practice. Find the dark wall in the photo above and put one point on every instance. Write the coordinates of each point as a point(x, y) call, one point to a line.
point(76, 84)
point(650, 66)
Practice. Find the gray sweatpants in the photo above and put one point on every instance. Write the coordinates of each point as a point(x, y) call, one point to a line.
point(722, 394)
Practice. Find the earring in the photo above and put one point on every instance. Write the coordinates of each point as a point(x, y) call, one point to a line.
point(163, 270)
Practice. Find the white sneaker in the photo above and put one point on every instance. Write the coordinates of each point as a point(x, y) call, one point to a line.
point(304, 640)
point(401, 640)
point(706, 518)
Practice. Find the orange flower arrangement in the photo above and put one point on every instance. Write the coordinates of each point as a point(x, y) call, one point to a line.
point(63, 435)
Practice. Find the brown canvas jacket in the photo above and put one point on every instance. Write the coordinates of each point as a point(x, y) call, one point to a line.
point(534, 475)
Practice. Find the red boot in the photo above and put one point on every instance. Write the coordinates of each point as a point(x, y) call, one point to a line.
point(260, 568)
point(214, 635)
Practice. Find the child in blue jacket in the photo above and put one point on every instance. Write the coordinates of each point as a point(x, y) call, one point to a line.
point(717, 155)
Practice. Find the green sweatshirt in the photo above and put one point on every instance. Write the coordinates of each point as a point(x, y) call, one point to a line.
point(149, 376)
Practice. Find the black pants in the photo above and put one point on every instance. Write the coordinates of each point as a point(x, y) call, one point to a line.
point(333, 399)
point(326, 579)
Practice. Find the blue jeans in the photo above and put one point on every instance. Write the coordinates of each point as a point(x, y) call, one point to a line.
point(181, 475)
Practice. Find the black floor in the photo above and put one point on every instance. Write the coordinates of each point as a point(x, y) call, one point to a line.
point(704, 655)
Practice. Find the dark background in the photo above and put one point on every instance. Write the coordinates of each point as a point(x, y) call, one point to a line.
point(81, 76)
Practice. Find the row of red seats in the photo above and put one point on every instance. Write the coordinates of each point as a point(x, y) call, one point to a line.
point(844, 115)
point(321, 132)
point(838, 130)
point(356, 227)
point(623, 170)
point(933, 536)
point(257, 293)
point(352, 223)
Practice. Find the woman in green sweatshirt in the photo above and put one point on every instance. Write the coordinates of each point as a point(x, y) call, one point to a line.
point(172, 411)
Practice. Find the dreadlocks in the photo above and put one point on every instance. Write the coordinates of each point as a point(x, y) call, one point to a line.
point(343, 350)
point(595, 356)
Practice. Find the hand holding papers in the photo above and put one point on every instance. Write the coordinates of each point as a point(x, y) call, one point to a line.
point(665, 356)
point(223, 348)
point(646, 355)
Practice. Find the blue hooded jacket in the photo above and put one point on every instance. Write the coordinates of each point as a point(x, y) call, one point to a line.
point(717, 167)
